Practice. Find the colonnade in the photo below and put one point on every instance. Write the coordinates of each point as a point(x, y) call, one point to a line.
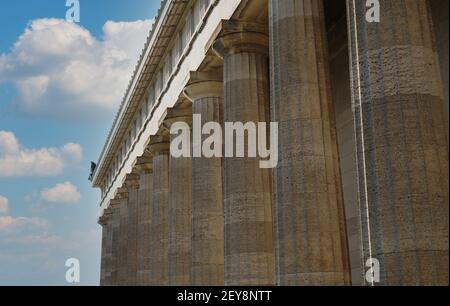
point(226, 221)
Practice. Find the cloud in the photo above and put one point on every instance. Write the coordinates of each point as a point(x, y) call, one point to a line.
point(72, 152)
point(37, 256)
point(3, 205)
point(11, 224)
point(65, 193)
point(18, 161)
point(8, 143)
point(32, 253)
point(38, 239)
point(60, 70)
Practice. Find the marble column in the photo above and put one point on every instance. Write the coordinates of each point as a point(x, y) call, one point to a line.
point(249, 248)
point(310, 232)
point(402, 147)
point(132, 184)
point(180, 204)
point(115, 227)
point(144, 166)
point(159, 242)
point(206, 93)
point(122, 271)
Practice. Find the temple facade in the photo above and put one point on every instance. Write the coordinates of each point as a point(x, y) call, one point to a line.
point(359, 194)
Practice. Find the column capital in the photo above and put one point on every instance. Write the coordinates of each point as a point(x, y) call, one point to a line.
point(122, 193)
point(204, 85)
point(177, 115)
point(159, 144)
point(239, 37)
point(143, 165)
point(107, 212)
point(104, 219)
point(131, 181)
point(114, 203)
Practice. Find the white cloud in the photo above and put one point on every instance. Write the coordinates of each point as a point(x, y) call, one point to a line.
point(61, 70)
point(40, 238)
point(18, 161)
point(38, 258)
point(72, 152)
point(65, 193)
point(31, 253)
point(11, 224)
point(8, 143)
point(3, 205)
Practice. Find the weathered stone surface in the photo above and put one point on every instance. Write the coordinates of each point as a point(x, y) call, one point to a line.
point(310, 240)
point(401, 141)
point(144, 228)
point(441, 25)
point(132, 235)
point(206, 95)
point(115, 227)
point(106, 256)
point(340, 80)
point(180, 208)
point(234, 223)
point(159, 242)
point(103, 265)
point(122, 270)
point(249, 249)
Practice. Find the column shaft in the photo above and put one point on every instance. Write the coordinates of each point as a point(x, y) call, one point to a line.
point(249, 249)
point(144, 230)
point(310, 226)
point(103, 266)
point(115, 230)
point(106, 222)
point(159, 241)
point(402, 146)
point(207, 193)
point(180, 215)
point(122, 271)
point(108, 249)
point(132, 225)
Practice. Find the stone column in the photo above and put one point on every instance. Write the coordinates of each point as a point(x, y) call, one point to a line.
point(402, 146)
point(132, 184)
point(249, 249)
point(122, 271)
point(180, 204)
point(159, 242)
point(115, 227)
point(310, 232)
point(144, 166)
point(440, 9)
point(103, 266)
point(107, 216)
point(206, 93)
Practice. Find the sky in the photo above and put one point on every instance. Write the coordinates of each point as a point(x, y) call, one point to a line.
point(61, 84)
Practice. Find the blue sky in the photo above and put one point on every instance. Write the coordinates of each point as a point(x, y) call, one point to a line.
point(60, 86)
